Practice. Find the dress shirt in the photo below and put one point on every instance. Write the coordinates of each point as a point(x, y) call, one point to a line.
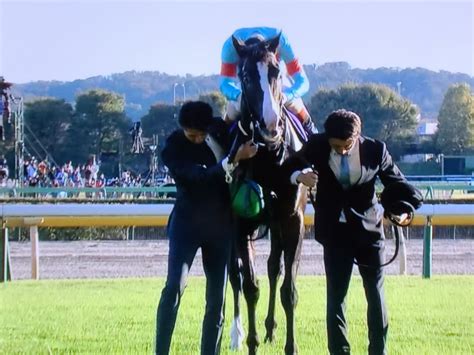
point(354, 163)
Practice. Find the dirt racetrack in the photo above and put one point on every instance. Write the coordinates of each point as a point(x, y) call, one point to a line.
point(115, 259)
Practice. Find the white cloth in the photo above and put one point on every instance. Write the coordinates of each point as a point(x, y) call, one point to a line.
point(215, 147)
point(220, 156)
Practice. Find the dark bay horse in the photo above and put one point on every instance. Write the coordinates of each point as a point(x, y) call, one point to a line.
point(264, 119)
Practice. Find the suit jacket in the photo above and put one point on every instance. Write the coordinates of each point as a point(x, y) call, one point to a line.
point(202, 207)
point(358, 202)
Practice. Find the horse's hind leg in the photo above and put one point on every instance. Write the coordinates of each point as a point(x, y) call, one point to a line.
point(294, 231)
point(235, 277)
point(251, 293)
point(274, 266)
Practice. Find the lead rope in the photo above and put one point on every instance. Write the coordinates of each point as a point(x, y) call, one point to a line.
point(395, 254)
point(231, 166)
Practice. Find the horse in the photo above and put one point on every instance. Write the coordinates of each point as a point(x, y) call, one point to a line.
point(264, 119)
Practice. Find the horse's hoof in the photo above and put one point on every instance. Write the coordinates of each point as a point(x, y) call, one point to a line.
point(253, 343)
point(253, 350)
point(270, 326)
point(291, 349)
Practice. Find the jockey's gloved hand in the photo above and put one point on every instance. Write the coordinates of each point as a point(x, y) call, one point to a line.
point(310, 127)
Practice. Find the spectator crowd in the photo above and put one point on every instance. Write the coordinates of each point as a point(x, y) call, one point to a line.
point(46, 174)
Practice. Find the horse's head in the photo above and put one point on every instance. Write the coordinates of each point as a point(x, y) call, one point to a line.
point(261, 84)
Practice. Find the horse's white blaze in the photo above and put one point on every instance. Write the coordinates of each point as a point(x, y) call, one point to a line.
point(270, 107)
point(237, 334)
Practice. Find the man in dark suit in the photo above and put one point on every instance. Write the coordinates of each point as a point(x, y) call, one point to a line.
point(201, 218)
point(344, 166)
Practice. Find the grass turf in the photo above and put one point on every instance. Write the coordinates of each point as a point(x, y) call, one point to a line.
point(117, 316)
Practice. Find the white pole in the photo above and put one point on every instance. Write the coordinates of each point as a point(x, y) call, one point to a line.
point(34, 252)
point(174, 93)
point(399, 88)
point(33, 223)
point(5, 277)
point(402, 252)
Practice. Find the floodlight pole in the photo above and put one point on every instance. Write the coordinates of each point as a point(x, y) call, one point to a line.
point(174, 93)
point(19, 139)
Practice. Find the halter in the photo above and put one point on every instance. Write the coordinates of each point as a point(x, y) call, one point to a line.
point(257, 125)
point(276, 142)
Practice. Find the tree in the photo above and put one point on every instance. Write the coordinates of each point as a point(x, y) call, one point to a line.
point(217, 101)
point(385, 115)
point(99, 123)
point(456, 121)
point(424, 87)
point(46, 123)
point(161, 119)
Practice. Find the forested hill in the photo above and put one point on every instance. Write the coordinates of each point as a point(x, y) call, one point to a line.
point(424, 87)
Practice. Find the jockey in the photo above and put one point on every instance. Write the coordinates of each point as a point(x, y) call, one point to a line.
point(298, 86)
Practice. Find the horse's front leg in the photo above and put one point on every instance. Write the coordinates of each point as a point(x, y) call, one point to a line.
point(274, 266)
point(293, 236)
point(251, 293)
point(237, 333)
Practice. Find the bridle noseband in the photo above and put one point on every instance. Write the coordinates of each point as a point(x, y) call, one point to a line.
point(255, 125)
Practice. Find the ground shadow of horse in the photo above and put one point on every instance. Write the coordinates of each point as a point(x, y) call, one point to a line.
point(264, 119)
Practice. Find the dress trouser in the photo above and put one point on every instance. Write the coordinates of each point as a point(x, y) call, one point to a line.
point(366, 248)
point(215, 258)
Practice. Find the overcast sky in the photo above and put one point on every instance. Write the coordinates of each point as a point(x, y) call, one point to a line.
point(67, 40)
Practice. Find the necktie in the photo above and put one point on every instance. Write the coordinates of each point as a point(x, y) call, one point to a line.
point(344, 177)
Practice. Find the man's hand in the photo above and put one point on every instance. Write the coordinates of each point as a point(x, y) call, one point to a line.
point(402, 220)
point(309, 178)
point(246, 151)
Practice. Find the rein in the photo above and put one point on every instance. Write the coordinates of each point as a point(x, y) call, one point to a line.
point(395, 253)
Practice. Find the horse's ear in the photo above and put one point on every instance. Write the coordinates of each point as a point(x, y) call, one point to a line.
point(239, 46)
point(273, 43)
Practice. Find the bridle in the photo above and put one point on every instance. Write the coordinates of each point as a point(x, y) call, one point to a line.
point(255, 125)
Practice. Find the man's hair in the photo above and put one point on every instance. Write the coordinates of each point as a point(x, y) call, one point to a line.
point(196, 115)
point(342, 124)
